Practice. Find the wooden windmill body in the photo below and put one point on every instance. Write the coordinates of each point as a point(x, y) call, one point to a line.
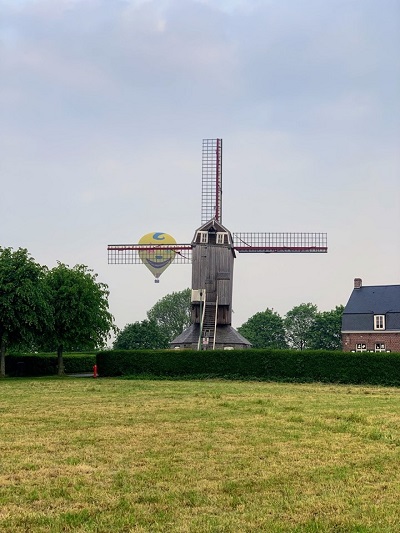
point(212, 253)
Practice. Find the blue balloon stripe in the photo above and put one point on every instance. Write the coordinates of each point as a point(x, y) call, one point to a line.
point(161, 264)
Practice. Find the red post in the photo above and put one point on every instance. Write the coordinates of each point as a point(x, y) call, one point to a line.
point(95, 371)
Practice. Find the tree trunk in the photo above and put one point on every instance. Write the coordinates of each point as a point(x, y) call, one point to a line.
point(2, 357)
point(60, 362)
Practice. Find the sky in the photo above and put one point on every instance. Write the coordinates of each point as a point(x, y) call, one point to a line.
point(104, 105)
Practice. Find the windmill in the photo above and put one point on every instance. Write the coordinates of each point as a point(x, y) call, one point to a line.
point(212, 253)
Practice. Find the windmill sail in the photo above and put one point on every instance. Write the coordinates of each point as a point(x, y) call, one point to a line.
point(211, 190)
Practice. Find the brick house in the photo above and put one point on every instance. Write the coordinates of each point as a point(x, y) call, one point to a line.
point(371, 319)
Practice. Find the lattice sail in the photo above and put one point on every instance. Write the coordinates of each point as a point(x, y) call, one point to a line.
point(120, 254)
point(280, 242)
point(128, 254)
point(211, 192)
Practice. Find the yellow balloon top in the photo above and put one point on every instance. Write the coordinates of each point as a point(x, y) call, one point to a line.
point(155, 257)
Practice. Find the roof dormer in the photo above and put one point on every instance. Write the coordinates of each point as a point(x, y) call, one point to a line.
point(212, 233)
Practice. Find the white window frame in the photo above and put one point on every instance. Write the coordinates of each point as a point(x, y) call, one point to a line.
point(361, 347)
point(379, 322)
point(380, 347)
point(203, 237)
point(220, 237)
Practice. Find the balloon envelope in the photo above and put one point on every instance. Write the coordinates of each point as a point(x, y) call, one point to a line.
point(156, 259)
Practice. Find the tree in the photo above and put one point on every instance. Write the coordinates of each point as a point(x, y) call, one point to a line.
point(172, 313)
point(326, 332)
point(80, 310)
point(264, 330)
point(140, 335)
point(24, 305)
point(298, 323)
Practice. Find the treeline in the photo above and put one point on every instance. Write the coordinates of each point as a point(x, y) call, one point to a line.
point(165, 321)
point(47, 310)
point(303, 327)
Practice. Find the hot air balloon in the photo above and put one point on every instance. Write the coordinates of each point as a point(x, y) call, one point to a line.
point(155, 257)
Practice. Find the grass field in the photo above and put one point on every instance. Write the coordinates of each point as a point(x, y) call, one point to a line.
point(114, 455)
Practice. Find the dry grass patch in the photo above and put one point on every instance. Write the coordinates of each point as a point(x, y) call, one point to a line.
point(198, 456)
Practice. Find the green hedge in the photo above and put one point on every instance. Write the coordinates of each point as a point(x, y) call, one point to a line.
point(46, 364)
point(275, 365)
point(79, 363)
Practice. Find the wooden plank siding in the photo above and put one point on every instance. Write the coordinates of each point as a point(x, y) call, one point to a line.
point(212, 269)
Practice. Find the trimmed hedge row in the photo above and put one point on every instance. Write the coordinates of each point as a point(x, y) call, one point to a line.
point(274, 365)
point(46, 364)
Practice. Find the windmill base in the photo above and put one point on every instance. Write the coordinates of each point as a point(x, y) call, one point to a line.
point(226, 338)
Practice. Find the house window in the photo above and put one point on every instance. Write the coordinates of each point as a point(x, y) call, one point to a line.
point(203, 237)
point(361, 347)
point(220, 237)
point(380, 347)
point(379, 321)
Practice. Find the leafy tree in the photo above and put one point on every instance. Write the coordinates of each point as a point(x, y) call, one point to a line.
point(140, 335)
point(24, 306)
point(172, 313)
point(325, 333)
point(80, 310)
point(264, 330)
point(298, 323)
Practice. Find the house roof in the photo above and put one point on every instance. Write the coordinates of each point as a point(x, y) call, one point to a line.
point(213, 226)
point(378, 299)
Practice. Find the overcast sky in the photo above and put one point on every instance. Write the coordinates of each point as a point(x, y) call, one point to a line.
point(104, 105)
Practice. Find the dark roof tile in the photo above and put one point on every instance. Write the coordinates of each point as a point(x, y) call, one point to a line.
point(378, 299)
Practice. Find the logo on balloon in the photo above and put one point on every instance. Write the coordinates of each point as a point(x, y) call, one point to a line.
point(157, 258)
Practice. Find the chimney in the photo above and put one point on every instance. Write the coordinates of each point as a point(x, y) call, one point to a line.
point(357, 283)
